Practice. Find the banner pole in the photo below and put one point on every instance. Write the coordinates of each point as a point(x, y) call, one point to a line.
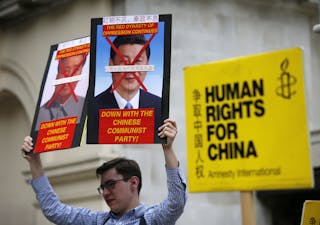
point(247, 208)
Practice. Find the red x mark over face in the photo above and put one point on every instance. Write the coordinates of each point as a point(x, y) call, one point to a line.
point(69, 68)
point(126, 62)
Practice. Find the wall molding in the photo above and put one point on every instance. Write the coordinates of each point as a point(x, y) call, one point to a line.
point(16, 80)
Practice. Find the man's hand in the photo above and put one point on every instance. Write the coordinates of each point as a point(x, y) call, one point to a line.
point(27, 148)
point(169, 130)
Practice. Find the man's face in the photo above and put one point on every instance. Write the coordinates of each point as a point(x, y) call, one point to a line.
point(69, 65)
point(121, 194)
point(129, 85)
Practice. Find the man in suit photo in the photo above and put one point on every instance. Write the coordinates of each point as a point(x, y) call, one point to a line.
point(127, 90)
point(64, 102)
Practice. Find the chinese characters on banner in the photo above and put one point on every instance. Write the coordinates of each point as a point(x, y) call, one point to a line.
point(247, 123)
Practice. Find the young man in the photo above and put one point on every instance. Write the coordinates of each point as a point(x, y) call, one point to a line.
point(120, 183)
point(125, 86)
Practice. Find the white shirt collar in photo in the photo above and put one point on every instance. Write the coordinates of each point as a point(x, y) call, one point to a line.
point(122, 102)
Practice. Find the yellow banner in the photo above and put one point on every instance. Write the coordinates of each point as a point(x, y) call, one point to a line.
point(310, 213)
point(247, 123)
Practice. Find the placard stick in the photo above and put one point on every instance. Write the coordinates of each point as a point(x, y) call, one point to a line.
point(247, 208)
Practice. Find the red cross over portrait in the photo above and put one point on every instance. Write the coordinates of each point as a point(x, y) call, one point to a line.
point(61, 110)
point(130, 75)
point(67, 68)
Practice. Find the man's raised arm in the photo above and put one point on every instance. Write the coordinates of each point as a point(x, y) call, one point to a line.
point(33, 159)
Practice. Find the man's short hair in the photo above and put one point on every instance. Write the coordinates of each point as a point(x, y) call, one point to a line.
point(129, 39)
point(126, 167)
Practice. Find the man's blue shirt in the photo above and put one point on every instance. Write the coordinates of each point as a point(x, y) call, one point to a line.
point(166, 213)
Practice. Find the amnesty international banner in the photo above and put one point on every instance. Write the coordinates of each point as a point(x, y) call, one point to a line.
point(247, 123)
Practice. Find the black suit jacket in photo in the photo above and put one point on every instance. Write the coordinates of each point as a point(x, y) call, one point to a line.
point(107, 100)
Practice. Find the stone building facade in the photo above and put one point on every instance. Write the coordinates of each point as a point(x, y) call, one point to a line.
point(202, 31)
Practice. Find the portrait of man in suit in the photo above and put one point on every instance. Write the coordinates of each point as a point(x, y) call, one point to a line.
point(127, 90)
point(64, 101)
point(61, 109)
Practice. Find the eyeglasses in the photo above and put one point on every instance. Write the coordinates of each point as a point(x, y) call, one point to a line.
point(109, 185)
